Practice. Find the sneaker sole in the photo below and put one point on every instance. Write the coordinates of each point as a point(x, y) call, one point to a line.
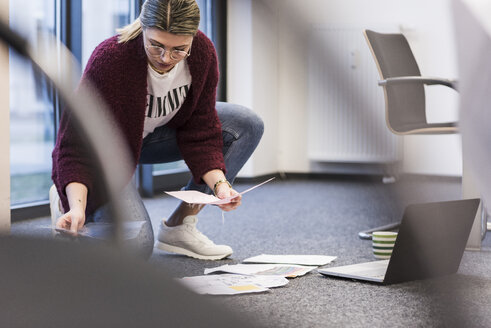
point(183, 251)
point(54, 208)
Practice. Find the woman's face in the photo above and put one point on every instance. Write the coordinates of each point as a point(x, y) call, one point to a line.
point(164, 50)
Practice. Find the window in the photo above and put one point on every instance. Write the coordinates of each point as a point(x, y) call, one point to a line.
point(31, 106)
point(100, 20)
point(32, 100)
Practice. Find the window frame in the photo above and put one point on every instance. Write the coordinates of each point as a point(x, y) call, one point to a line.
point(63, 8)
point(68, 16)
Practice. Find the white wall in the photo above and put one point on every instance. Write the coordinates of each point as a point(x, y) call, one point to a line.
point(268, 41)
point(4, 130)
point(252, 74)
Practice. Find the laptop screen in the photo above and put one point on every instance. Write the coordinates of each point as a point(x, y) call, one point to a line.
point(431, 240)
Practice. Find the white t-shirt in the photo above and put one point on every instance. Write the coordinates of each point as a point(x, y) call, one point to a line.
point(165, 95)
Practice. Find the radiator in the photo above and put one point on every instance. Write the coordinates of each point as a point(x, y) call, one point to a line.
point(346, 106)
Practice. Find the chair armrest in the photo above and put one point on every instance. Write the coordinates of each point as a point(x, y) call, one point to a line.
point(419, 79)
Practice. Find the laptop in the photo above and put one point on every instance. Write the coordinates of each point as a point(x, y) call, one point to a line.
point(430, 243)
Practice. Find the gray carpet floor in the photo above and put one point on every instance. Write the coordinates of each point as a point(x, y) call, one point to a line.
point(323, 216)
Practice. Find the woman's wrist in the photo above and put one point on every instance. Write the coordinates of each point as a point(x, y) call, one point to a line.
point(77, 196)
point(218, 183)
point(212, 177)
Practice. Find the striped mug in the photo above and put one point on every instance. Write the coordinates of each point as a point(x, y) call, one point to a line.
point(383, 243)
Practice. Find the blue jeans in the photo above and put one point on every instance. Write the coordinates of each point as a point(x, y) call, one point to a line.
point(242, 130)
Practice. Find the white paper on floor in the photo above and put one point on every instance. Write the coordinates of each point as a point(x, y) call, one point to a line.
point(291, 259)
point(282, 270)
point(102, 230)
point(232, 284)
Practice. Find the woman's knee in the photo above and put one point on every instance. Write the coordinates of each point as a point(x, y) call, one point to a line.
point(255, 123)
point(240, 119)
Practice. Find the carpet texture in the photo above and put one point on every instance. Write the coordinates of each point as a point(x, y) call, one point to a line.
point(323, 216)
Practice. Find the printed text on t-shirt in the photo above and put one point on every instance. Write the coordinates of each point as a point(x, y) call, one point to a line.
point(158, 107)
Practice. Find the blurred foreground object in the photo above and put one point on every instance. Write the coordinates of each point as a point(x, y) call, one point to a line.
point(473, 33)
point(45, 283)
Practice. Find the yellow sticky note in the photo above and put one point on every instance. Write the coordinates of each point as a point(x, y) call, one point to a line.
point(244, 288)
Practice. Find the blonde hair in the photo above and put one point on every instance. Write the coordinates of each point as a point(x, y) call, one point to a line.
point(173, 16)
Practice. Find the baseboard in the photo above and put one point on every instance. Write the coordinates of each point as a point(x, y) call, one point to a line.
point(309, 176)
point(29, 211)
point(377, 175)
point(426, 177)
point(355, 168)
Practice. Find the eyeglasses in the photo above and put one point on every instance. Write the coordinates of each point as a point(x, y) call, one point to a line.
point(159, 52)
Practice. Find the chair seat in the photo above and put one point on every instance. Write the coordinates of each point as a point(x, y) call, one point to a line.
point(426, 128)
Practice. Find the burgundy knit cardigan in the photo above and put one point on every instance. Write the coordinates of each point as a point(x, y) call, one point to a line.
point(119, 72)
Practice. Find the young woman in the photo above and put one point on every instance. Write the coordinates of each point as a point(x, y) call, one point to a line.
point(159, 76)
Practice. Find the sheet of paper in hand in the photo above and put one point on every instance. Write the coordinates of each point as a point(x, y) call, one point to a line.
point(196, 197)
point(103, 230)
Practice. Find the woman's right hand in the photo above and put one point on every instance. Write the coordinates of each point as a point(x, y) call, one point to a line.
point(73, 220)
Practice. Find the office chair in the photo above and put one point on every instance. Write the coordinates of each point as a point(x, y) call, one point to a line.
point(403, 85)
point(404, 92)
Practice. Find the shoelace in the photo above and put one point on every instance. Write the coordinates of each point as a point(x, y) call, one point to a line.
point(201, 236)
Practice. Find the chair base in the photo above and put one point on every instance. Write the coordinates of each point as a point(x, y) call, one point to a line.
point(367, 234)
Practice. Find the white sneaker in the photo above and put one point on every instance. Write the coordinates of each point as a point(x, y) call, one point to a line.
point(187, 240)
point(54, 205)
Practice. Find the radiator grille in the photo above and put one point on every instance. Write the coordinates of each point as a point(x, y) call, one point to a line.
point(346, 106)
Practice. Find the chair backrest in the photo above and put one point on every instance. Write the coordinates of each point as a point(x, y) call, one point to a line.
point(405, 104)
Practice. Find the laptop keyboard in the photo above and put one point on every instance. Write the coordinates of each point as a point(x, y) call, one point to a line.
point(374, 269)
point(378, 272)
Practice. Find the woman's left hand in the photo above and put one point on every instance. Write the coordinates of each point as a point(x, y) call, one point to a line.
point(224, 191)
